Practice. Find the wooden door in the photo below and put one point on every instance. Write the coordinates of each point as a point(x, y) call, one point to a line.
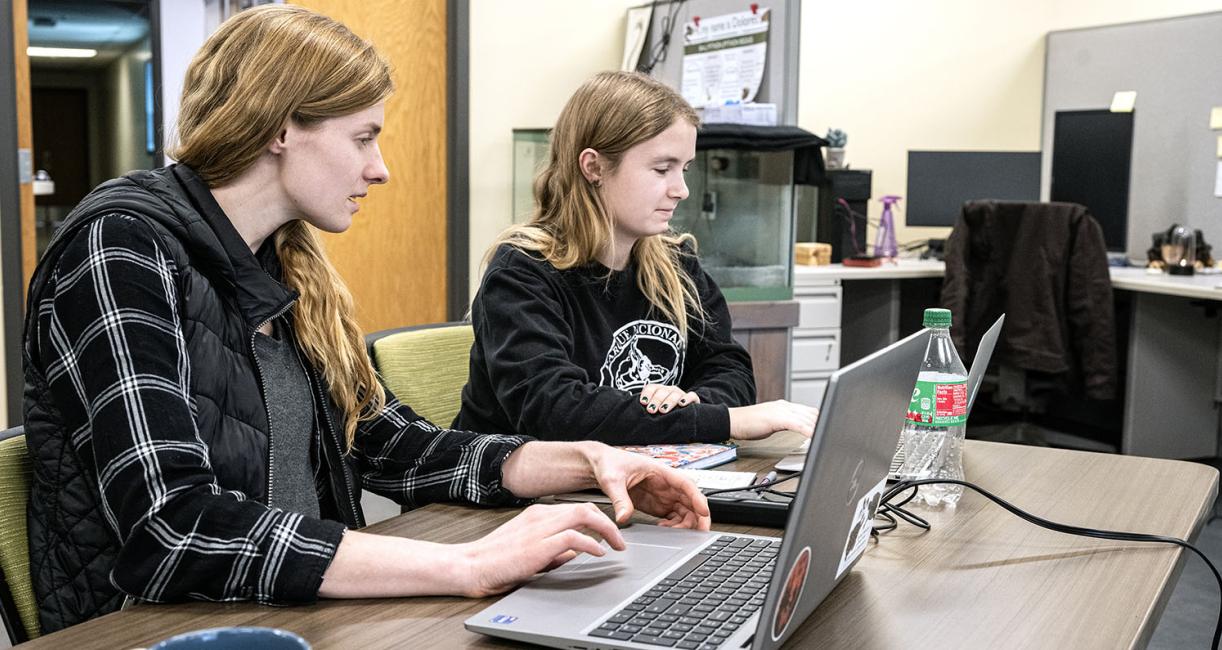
point(25, 140)
point(394, 256)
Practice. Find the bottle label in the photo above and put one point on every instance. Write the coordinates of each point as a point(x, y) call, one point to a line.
point(939, 404)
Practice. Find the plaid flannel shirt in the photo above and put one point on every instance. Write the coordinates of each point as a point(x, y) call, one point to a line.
point(113, 352)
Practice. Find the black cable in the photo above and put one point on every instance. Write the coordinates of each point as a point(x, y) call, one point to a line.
point(657, 53)
point(914, 244)
point(758, 486)
point(906, 516)
point(891, 524)
point(1067, 529)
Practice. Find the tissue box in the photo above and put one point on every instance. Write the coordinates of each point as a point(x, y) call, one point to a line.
point(812, 253)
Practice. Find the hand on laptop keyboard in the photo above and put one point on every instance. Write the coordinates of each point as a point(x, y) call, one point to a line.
point(762, 420)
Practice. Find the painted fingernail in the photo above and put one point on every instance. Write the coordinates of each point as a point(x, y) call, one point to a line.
point(683, 401)
point(665, 407)
point(644, 399)
point(653, 407)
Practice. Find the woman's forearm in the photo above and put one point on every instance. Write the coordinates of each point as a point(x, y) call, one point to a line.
point(539, 538)
point(379, 566)
point(541, 468)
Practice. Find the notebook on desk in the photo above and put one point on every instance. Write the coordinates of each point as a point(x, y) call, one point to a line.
point(692, 589)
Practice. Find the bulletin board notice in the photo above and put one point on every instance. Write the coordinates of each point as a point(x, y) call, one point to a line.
point(724, 57)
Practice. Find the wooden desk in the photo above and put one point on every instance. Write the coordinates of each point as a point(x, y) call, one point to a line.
point(981, 578)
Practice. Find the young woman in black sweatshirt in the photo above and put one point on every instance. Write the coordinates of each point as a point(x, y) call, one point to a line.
point(594, 320)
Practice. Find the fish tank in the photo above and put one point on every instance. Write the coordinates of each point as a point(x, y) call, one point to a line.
point(530, 152)
point(740, 208)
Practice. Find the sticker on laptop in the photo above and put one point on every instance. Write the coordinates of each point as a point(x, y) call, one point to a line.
point(863, 523)
point(795, 582)
point(504, 619)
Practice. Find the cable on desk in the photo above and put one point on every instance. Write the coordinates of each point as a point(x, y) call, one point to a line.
point(903, 486)
point(758, 487)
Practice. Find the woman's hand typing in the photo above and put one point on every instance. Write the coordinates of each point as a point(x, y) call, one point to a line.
point(762, 420)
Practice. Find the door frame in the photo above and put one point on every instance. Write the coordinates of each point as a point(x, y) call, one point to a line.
point(458, 196)
point(11, 272)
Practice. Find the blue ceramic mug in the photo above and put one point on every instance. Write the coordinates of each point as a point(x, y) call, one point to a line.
point(235, 638)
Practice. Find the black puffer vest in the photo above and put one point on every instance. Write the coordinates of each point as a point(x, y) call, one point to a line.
point(224, 296)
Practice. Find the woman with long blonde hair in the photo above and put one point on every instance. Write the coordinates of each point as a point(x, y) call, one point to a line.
point(200, 408)
point(594, 319)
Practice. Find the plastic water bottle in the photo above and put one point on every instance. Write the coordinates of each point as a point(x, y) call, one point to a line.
point(937, 416)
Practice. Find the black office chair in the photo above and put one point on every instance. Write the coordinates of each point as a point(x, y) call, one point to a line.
point(1045, 266)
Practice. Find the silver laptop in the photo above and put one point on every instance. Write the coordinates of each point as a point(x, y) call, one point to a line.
point(692, 589)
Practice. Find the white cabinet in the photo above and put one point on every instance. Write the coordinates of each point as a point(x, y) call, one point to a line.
point(809, 391)
point(818, 307)
point(816, 352)
point(834, 329)
point(816, 339)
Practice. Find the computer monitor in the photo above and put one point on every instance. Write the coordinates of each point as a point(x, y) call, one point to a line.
point(940, 182)
point(1091, 152)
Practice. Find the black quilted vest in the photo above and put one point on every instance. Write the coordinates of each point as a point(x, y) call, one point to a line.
point(224, 296)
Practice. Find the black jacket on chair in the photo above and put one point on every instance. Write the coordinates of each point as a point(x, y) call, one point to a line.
point(1045, 266)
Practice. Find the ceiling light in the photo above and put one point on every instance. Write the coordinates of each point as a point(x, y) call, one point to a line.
point(61, 52)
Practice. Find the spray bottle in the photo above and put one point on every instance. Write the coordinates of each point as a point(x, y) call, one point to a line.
point(884, 243)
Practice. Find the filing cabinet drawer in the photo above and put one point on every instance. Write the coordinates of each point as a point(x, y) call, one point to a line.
point(808, 391)
point(816, 353)
point(819, 308)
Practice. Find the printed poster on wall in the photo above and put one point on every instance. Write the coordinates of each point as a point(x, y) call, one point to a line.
point(724, 56)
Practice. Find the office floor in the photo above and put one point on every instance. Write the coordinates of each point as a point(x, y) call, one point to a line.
point(1188, 621)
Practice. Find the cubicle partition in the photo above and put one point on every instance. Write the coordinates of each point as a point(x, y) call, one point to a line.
point(1172, 65)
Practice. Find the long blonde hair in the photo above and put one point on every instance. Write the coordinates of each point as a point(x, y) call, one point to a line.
point(262, 67)
point(610, 113)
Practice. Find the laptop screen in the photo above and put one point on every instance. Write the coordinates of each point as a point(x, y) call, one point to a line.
point(846, 468)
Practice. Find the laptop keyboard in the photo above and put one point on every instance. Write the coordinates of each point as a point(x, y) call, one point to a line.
point(704, 601)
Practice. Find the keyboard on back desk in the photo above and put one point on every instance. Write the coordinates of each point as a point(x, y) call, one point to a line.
point(704, 601)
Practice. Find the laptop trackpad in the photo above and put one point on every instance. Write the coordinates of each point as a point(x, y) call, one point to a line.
point(587, 588)
point(637, 561)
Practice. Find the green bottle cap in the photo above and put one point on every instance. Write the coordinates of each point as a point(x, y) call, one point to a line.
point(935, 317)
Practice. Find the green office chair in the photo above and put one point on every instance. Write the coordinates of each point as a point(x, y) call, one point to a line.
point(425, 366)
point(17, 605)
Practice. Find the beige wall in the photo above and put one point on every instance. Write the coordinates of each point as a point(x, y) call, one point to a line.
point(125, 138)
point(527, 57)
point(942, 74)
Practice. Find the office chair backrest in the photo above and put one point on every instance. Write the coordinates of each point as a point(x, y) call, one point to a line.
point(425, 367)
point(17, 593)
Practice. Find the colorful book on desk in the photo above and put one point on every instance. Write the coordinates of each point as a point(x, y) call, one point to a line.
point(695, 455)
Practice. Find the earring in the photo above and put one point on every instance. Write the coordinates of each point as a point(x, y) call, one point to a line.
point(597, 182)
